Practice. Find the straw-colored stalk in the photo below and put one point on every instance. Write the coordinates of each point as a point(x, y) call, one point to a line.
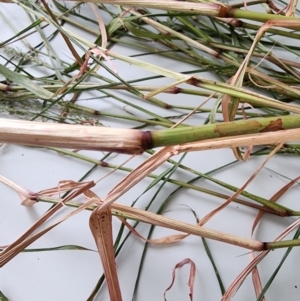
point(128, 212)
point(247, 132)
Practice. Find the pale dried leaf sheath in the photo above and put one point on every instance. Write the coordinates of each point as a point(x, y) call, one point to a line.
point(71, 136)
point(100, 224)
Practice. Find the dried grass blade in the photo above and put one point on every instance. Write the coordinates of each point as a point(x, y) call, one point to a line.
point(256, 280)
point(241, 277)
point(63, 186)
point(65, 37)
point(137, 175)
point(237, 193)
point(101, 25)
point(291, 8)
point(274, 198)
point(238, 78)
point(101, 227)
point(27, 238)
point(191, 278)
point(255, 274)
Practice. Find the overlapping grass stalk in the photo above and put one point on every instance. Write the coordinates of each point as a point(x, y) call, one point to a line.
point(252, 99)
point(136, 141)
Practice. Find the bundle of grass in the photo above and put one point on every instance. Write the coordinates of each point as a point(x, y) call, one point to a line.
point(250, 101)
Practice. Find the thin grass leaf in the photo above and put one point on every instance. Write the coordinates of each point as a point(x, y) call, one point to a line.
point(25, 83)
point(59, 248)
point(33, 25)
point(211, 259)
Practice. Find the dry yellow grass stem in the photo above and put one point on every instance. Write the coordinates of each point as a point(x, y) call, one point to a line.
point(67, 136)
point(162, 221)
point(129, 212)
point(135, 142)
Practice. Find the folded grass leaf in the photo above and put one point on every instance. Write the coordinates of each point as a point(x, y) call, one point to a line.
point(101, 227)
